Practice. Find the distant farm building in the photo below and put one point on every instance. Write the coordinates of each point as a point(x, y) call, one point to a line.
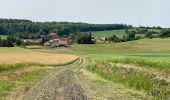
point(58, 42)
point(100, 39)
point(32, 41)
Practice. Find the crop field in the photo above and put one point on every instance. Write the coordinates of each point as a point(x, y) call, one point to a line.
point(118, 33)
point(39, 58)
point(20, 68)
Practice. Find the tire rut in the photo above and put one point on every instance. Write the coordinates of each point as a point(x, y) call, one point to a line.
point(60, 84)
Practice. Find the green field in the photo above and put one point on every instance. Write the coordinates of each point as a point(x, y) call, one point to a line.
point(148, 54)
point(3, 36)
point(118, 33)
point(151, 55)
point(146, 49)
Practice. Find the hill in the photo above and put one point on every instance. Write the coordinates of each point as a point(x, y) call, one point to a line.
point(118, 33)
point(13, 26)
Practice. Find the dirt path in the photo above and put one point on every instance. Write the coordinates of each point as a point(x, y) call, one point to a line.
point(73, 82)
point(60, 84)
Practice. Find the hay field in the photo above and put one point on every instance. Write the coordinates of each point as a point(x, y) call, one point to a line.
point(36, 58)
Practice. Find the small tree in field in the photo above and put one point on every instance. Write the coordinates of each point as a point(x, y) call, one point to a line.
point(18, 42)
point(165, 33)
point(130, 36)
point(114, 38)
point(84, 38)
point(43, 40)
point(149, 35)
point(9, 42)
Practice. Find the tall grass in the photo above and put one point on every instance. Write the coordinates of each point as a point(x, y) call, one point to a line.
point(9, 67)
point(132, 78)
point(26, 78)
point(5, 88)
point(162, 63)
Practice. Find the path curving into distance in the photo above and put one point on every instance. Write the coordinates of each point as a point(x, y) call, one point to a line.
point(74, 82)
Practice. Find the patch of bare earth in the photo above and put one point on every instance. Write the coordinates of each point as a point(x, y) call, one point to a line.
point(3, 77)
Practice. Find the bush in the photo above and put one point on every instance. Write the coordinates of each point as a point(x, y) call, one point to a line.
point(114, 38)
point(130, 36)
point(9, 42)
point(18, 42)
point(84, 38)
point(138, 37)
point(165, 33)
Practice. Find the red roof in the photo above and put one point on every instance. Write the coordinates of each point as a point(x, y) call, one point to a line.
point(60, 41)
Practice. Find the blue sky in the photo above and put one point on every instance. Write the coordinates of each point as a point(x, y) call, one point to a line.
point(134, 12)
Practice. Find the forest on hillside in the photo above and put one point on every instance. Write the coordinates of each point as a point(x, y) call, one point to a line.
point(13, 26)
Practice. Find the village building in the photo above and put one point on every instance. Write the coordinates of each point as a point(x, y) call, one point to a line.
point(101, 40)
point(32, 41)
point(58, 42)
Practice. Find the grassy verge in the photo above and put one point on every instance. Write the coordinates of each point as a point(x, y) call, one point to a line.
point(161, 63)
point(8, 86)
point(22, 75)
point(18, 80)
point(11, 67)
point(134, 79)
point(5, 88)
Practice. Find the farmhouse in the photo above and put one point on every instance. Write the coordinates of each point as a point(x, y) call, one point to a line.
point(58, 42)
point(100, 39)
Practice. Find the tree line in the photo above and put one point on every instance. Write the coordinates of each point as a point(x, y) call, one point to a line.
point(82, 38)
point(10, 41)
point(132, 35)
point(18, 26)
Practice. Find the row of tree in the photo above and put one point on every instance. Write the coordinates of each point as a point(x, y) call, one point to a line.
point(13, 26)
point(165, 33)
point(82, 38)
point(128, 37)
point(132, 35)
point(10, 42)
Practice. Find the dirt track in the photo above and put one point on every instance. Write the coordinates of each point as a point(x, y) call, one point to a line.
point(73, 82)
point(60, 84)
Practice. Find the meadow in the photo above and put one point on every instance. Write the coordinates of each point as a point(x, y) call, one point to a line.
point(118, 33)
point(3, 36)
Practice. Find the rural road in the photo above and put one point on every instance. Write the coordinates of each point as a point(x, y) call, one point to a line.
point(60, 84)
point(73, 82)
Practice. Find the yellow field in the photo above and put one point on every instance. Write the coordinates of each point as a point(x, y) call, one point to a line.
point(35, 57)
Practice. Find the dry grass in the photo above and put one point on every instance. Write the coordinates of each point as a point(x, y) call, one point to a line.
point(38, 58)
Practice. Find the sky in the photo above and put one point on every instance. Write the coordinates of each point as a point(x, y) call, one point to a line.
point(133, 12)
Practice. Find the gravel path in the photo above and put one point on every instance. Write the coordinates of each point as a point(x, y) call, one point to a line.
point(74, 82)
point(60, 84)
